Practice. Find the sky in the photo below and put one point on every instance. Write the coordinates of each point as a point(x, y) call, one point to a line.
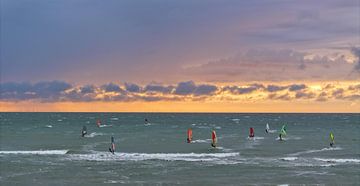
point(180, 56)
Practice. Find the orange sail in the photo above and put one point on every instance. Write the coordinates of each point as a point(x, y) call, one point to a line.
point(189, 135)
point(213, 138)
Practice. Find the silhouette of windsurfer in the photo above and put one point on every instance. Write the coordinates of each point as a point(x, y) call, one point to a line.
point(83, 131)
point(112, 147)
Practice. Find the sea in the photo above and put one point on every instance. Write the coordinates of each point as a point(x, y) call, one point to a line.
point(48, 149)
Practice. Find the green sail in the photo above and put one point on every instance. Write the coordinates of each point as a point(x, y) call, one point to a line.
point(283, 130)
point(332, 138)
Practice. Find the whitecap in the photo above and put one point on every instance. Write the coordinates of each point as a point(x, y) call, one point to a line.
point(333, 160)
point(48, 126)
point(201, 141)
point(289, 158)
point(93, 134)
point(38, 152)
point(102, 156)
point(101, 126)
point(315, 151)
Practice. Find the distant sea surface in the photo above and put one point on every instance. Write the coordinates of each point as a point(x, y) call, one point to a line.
point(47, 149)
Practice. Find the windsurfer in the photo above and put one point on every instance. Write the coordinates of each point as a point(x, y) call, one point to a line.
point(112, 147)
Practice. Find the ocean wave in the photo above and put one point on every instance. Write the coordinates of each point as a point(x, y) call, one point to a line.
point(315, 151)
point(115, 119)
point(289, 158)
point(333, 160)
point(37, 152)
point(105, 156)
point(48, 126)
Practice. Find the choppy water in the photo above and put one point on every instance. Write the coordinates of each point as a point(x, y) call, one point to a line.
point(47, 149)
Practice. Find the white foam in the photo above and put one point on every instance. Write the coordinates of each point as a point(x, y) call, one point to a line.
point(115, 119)
point(333, 160)
point(201, 141)
point(289, 158)
point(105, 156)
point(272, 131)
point(48, 126)
point(255, 138)
point(315, 151)
point(93, 134)
point(39, 152)
point(101, 126)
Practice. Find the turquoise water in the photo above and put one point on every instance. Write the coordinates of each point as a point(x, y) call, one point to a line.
point(47, 149)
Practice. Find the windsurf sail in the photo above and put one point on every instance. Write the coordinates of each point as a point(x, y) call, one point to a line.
point(267, 128)
point(83, 131)
point(251, 132)
point(189, 135)
point(213, 138)
point(112, 147)
point(332, 139)
point(98, 122)
point(283, 130)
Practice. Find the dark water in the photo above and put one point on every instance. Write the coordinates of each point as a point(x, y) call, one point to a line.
point(47, 149)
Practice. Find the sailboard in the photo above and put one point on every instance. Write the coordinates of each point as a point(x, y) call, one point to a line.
point(112, 147)
point(189, 135)
point(267, 128)
point(83, 131)
point(282, 132)
point(213, 139)
point(332, 139)
point(251, 132)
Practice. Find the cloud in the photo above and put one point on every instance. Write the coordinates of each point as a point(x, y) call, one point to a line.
point(205, 90)
point(297, 87)
point(356, 52)
point(132, 87)
point(111, 87)
point(275, 88)
point(243, 90)
point(275, 65)
point(185, 88)
point(58, 91)
point(45, 90)
point(158, 88)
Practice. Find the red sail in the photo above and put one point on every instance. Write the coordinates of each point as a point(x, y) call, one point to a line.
point(189, 135)
point(251, 132)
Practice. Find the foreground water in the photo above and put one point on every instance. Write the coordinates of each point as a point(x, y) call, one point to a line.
point(47, 149)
